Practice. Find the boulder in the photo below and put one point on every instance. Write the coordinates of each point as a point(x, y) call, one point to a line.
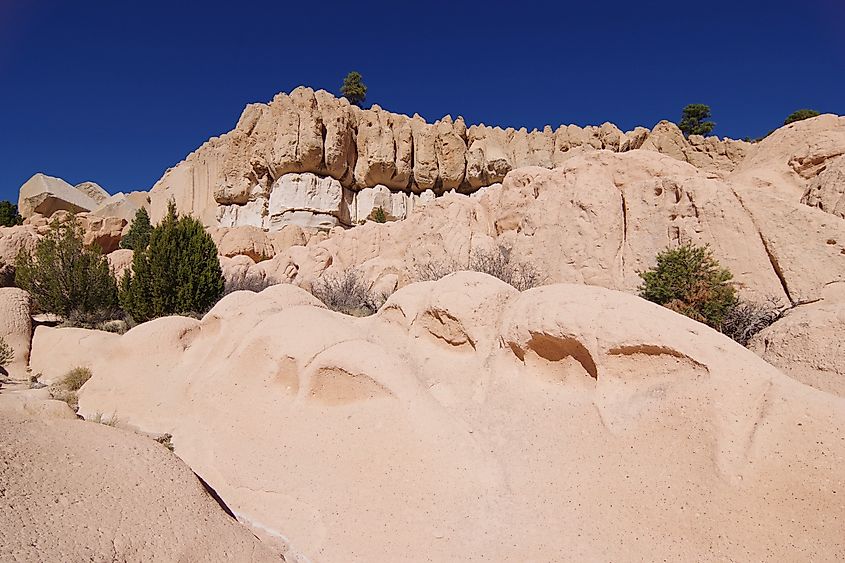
point(104, 232)
point(246, 240)
point(45, 195)
point(87, 492)
point(122, 206)
point(807, 345)
point(16, 326)
point(120, 262)
point(827, 190)
point(394, 205)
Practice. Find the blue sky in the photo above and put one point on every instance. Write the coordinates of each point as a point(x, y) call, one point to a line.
point(117, 92)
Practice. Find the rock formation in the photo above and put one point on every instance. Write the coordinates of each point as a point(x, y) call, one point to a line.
point(312, 154)
point(827, 190)
point(79, 491)
point(449, 424)
point(45, 195)
point(597, 219)
point(16, 326)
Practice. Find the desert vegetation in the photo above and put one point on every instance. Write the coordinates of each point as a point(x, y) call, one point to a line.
point(354, 89)
point(498, 262)
point(690, 281)
point(695, 120)
point(66, 389)
point(800, 115)
point(9, 216)
point(66, 278)
point(177, 272)
point(6, 353)
point(347, 292)
point(138, 236)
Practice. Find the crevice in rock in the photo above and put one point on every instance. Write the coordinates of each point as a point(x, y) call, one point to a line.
point(624, 231)
point(213, 494)
point(772, 259)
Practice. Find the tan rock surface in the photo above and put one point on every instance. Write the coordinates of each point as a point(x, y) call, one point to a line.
point(16, 327)
point(79, 491)
point(827, 190)
point(94, 191)
point(45, 194)
point(120, 261)
point(247, 240)
point(448, 425)
point(789, 157)
point(807, 344)
point(598, 219)
point(13, 239)
point(123, 206)
point(229, 179)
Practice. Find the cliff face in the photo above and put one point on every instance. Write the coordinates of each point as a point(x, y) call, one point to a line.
point(253, 174)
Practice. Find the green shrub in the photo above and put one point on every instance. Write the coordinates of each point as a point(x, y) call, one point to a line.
point(177, 273)
point(9, 216)
point(6, 353)
point(354, 89)
point(138, 236)
point(687, 279)
point(800, 115)
point(693, 120)
point(379, 215)
point(65, 277)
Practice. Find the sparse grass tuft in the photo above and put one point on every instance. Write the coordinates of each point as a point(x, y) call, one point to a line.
point(76, 378)
point(66, 389)
point(166, 440)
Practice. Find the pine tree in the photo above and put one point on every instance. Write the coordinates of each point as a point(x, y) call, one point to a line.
point(178, 271)
point(693, 120)
point(138, 236)
point(800, 115)
point(354, 89)
point(690, 281)
point(65, 277)
point(9, 216)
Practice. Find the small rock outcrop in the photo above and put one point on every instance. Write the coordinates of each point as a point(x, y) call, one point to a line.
point(45, 195)
point(827, 190)
point(80, 491)
point(16, 326)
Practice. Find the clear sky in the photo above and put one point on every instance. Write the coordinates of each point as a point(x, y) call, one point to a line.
point(118, 91)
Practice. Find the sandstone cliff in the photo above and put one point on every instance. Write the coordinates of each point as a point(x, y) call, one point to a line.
point(305, 157)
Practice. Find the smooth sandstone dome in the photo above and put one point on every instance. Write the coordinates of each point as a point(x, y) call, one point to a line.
point(468, 421)
point(78, 491)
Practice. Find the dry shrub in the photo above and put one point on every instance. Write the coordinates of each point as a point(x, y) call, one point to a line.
point(165, 440)
point(347, 292)
point(434, 270)
point(255, 284)
point(497, 262)
point(6, 353)
point(500, 263)
point(747, 318)
point(66, 389)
